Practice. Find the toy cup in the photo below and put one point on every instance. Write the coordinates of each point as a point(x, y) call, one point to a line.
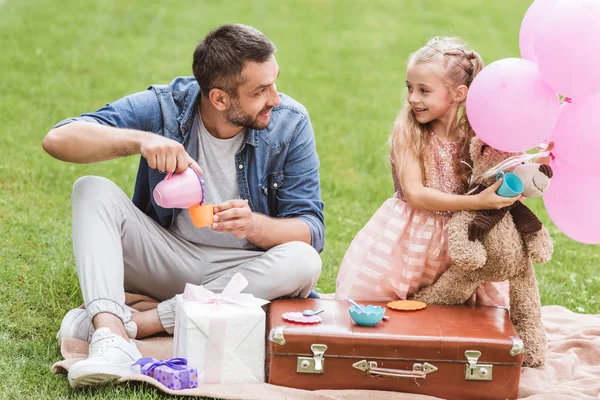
point(182, 190)
point(201, 215)
point(511, 185)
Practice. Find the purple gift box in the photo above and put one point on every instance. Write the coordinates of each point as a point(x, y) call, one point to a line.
point(173, 373)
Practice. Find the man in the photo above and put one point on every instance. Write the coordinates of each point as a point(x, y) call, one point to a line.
point(256, 152)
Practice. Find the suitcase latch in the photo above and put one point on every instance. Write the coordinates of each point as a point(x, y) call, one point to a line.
point(475, 371)
point(276, 335)
point(314, 364)
point(517, 346)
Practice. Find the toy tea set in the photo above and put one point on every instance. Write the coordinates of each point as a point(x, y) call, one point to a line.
point(185, 191)
point(363, 315)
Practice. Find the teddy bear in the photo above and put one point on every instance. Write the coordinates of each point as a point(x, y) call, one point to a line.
point(499, 245)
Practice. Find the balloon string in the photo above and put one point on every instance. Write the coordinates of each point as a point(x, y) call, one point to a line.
point(506, 164)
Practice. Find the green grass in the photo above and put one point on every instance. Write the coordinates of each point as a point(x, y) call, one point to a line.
point(344, 60)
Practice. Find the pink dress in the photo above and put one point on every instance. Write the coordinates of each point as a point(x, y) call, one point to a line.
point(401, 250)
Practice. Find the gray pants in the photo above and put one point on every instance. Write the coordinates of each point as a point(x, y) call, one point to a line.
point(118, 248)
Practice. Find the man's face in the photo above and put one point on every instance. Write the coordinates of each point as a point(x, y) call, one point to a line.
point(256, 96)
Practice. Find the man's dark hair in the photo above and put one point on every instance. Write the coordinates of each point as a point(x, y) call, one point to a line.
point(220, 57)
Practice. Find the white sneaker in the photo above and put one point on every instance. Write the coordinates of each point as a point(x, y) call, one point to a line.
point(110, 358)
point(77, 325)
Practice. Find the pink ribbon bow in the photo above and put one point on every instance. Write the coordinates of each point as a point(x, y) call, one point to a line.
point(230, 295)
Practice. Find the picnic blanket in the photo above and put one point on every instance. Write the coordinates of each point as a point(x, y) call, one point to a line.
point(572, 369)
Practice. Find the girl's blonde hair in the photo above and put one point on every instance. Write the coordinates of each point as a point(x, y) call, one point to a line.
point(461, 65)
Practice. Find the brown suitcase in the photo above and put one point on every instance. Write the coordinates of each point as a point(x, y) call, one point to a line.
point(452, 352)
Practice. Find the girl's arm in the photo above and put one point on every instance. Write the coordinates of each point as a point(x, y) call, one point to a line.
point(420, 197)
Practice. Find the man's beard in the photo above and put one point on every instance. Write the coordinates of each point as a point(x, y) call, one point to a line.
point(236, 116)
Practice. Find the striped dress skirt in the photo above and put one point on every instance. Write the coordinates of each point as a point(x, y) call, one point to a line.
point(399, 251)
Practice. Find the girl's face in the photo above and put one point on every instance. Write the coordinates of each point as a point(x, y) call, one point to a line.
point(428, 94)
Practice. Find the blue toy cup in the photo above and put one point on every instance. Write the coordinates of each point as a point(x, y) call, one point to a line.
point(371, 316)
point(511, 186)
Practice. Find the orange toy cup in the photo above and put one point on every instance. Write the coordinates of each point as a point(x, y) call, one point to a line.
point(202, 215)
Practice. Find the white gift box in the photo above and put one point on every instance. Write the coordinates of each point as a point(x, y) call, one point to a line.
point(222, 335)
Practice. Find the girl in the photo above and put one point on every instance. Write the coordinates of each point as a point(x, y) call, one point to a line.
point(404, 246)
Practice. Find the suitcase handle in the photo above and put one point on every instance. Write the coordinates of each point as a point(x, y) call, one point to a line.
point(419, 371)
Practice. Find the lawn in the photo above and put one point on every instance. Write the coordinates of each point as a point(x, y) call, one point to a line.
point(344, 60)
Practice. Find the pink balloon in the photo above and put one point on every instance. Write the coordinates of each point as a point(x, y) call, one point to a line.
point(577, 136)
point(530, 24)
point(572, 203)
point(510, 107)
point(566, 47)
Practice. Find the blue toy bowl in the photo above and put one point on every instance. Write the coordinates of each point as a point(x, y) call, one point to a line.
point(372, 316)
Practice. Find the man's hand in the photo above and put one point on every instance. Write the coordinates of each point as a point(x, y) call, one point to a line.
point(166, 155)
point(234, 216)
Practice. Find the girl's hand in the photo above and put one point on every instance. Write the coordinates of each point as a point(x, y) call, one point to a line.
point(489, 200)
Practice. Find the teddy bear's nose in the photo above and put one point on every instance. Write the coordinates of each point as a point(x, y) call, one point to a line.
point(546, 170)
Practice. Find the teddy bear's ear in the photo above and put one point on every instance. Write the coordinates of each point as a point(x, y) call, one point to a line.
point(476, 148)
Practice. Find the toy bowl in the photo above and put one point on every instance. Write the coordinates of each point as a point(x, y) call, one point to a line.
point(371, 316)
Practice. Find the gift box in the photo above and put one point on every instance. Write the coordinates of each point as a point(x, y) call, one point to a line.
point(174, 373)
point(222, 335)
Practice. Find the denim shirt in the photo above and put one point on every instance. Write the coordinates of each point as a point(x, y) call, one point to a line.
point(277, 167)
